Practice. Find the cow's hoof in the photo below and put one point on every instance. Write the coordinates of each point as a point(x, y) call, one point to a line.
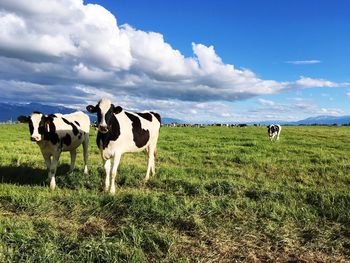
point(112, 190)
point(52, 185)
point(146, 179)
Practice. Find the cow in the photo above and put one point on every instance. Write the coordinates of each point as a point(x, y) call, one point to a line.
point(56, 133)
point(121, 131)
point(274, 131)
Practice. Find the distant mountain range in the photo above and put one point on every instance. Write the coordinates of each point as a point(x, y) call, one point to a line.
point(166, 120)
point(323, 120)
point(318, 120)
point(10, 112)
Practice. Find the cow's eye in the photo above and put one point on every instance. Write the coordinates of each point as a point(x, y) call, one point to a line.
point(41, 129)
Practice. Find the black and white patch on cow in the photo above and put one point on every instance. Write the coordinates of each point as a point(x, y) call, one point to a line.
point(57, 133)
point(274, 131)
point(119, 132)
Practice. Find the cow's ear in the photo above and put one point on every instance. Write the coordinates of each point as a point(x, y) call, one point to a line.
point(91, 108)
point(117, 109)
point(23, 119)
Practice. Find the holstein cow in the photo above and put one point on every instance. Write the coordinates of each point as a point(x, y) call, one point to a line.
point(274, 131)
point(58, 133)
point(120, 131)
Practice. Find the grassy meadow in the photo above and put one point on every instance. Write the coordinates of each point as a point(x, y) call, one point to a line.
point(219, 195)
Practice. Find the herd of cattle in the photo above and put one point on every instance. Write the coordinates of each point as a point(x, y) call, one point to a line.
point(174, 124)
point(119, 131)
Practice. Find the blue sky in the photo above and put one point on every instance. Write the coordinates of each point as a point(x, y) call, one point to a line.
point(260, 35)
point(194, 60)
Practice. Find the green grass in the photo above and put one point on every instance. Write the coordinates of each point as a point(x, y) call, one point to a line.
point(219, 195)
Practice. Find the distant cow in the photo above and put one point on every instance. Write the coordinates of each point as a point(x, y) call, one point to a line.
point(274, 131)
point(120, 131)
point(58, 133)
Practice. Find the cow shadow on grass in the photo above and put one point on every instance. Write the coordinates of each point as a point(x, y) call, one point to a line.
point(27, 175)
point(22, 175)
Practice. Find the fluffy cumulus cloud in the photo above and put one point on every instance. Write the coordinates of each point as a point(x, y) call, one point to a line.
point(63, 31)
point(69, 52)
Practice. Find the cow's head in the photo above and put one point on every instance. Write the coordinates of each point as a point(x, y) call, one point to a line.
point(38, 123)
point(271, 129)
point(105, 114)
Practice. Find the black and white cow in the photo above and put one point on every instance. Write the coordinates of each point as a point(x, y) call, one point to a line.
point(121, 131)
point(274, 131)
point(58, 133)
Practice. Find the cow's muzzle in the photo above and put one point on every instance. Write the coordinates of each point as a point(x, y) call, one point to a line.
point(35, 138)
point(103, 129)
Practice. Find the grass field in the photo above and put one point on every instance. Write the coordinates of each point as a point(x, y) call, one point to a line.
point(219, 195)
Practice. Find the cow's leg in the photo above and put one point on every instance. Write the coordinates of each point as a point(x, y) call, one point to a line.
point(86, 152)
point(53, 168)
point(153, 169)
point(150, 166)
point(73, 155)
point(116, 162)
point(47, 158)
point(107, 166)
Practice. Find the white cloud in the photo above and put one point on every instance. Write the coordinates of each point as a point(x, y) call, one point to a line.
point(266, 102)
point(63, 30)
point(304, 62)
point(154, 56)
point(331, 111)
point(306, 82)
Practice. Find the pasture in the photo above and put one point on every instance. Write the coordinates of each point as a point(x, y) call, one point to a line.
point(219, 195)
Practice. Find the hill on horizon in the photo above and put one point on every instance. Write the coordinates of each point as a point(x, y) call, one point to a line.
point(10, 112)
point(324, 120)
